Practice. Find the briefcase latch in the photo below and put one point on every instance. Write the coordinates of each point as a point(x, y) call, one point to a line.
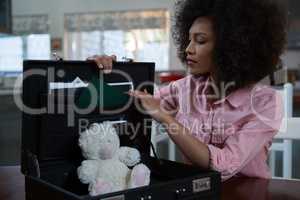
point(126, 59)
point(202, 184)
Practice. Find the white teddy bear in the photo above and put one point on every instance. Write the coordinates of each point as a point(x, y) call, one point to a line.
point(105, 169)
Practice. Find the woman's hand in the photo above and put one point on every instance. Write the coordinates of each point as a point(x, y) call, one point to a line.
point(104, 62)
point(151, 105)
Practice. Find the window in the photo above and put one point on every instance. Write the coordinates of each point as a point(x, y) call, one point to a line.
point(11, 53)
point(141, 35)
point(14, 49)
point(31, 41)
point(38, 46)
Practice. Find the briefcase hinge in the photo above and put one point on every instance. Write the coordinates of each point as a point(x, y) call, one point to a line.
point(126, 59)
point(32, 165)
point(56, 57)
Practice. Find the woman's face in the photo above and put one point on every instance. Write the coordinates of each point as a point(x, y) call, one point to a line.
point(199, 51)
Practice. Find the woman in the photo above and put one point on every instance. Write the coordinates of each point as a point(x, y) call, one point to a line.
point(220, 116)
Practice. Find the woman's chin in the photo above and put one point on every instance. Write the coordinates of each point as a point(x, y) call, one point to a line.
point(196, 72)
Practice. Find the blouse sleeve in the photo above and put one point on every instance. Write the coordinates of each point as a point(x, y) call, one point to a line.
point(168, 95)
point(258, 129)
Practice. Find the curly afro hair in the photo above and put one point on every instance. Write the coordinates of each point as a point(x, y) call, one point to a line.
point(250, 36)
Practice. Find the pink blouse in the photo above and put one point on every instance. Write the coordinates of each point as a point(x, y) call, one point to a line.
point(238, 129)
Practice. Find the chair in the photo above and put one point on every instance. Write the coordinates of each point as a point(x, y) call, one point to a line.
point(284, 146)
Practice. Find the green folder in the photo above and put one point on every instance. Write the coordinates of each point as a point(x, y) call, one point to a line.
point(106, 96)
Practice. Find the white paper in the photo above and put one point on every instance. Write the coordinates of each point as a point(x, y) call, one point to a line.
point(76, 83)
point(122, 83)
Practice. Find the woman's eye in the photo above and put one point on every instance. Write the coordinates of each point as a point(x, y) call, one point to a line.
point(201, 42)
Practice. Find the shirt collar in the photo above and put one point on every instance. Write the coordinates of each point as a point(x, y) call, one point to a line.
point(236, 98)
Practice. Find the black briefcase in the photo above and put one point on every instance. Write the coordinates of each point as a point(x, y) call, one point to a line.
point(51, 126)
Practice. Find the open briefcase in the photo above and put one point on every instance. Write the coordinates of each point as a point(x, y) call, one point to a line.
point(50, 131)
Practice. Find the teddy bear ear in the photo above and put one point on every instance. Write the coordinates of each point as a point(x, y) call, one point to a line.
point(94, 128)
point(82, 133)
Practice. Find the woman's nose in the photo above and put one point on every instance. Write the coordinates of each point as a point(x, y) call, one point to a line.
point(190, 48)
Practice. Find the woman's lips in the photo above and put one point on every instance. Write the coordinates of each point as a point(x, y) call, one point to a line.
point(190, 62)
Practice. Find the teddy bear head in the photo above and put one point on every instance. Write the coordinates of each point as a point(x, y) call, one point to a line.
point(99, 141)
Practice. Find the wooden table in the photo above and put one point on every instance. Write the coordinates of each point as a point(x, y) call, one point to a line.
point(11, 184)
point(12, 187)
point(260, 189)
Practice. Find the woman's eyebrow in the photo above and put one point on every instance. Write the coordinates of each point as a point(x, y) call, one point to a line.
point(195, 34)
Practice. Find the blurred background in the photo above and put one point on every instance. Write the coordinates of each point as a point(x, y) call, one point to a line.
point(76, 29)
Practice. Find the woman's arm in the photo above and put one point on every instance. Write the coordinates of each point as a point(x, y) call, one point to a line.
point(196, 151)
point(241, 147)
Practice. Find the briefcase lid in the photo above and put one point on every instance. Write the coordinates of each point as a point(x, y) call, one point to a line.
point(52, 89)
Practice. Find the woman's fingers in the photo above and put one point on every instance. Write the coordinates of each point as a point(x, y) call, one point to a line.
point(107, 63)
point(99, 61)
point(104, 62)
point(139, 94)
point(114, 57)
